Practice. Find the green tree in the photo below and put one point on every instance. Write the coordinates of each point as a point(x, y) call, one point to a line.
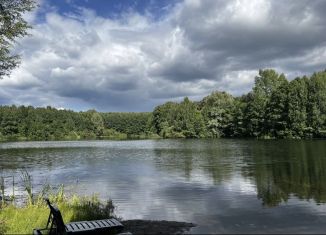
point(266, 83)
point(172, 120)
point(9, 122)
point(189, 120)
point(12, 26)
point(317, 104)
point(98, 123)
point(297, 107)
point(238, 126)
point(130, 123)
point(276, 111)
point(163, 118)
point(218, 110)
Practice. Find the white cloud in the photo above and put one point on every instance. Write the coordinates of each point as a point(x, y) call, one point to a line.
point(238, 82)
point(132, 62)
point(255, 12)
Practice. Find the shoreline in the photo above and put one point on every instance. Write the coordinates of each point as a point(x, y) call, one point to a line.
point(155, 138)
point(155, 227)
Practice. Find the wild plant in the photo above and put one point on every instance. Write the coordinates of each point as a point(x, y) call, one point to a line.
point(12, 196)
point(2, 189)
point(27, 184)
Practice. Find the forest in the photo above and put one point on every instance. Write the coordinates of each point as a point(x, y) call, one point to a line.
point(274, 108)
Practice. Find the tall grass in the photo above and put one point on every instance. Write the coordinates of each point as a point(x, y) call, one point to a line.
point(13, 189)
point(15, 220)
point(34, 213)
point(2, 189)
point(26, 179)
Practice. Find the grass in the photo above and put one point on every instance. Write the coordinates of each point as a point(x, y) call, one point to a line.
point(34, 214)
point(15, 220)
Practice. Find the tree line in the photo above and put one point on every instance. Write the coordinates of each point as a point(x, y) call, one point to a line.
point(29, 123)
point(274, 108)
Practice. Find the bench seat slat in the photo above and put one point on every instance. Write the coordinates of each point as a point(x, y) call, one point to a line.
point(106, 225)
point(88, 227)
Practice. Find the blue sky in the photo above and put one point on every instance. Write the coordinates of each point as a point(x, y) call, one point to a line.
point(113, 8)
point(121, 55)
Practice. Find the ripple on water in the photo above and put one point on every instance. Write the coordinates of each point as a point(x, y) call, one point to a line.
point(224, 186)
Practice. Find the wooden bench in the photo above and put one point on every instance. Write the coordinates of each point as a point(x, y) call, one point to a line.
point(55, 225)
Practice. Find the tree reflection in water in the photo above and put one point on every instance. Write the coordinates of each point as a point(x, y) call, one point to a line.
point(280, 169)
point(293, 168)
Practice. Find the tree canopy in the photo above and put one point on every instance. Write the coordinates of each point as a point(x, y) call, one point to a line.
point(12, 26)
point(274, 108)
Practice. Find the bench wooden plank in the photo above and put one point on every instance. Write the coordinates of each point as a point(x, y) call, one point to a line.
point(89, 227)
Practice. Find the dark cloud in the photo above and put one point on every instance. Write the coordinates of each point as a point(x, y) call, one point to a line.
point(248, 37)
point(181, 71)
point(134, 62)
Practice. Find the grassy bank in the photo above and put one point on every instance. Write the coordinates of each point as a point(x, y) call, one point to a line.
point(22, 219)
point(21, 216)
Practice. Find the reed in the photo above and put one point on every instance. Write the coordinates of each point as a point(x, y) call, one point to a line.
point(26, 179)
point(2, 189)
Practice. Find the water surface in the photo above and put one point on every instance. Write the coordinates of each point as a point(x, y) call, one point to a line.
point(224, 186)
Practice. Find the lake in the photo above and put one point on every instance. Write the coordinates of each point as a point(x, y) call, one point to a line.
point(222, 185)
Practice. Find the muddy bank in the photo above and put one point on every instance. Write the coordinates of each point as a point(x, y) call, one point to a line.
point(137, 227)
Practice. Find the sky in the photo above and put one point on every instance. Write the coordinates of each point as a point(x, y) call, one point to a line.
point(128, 55)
